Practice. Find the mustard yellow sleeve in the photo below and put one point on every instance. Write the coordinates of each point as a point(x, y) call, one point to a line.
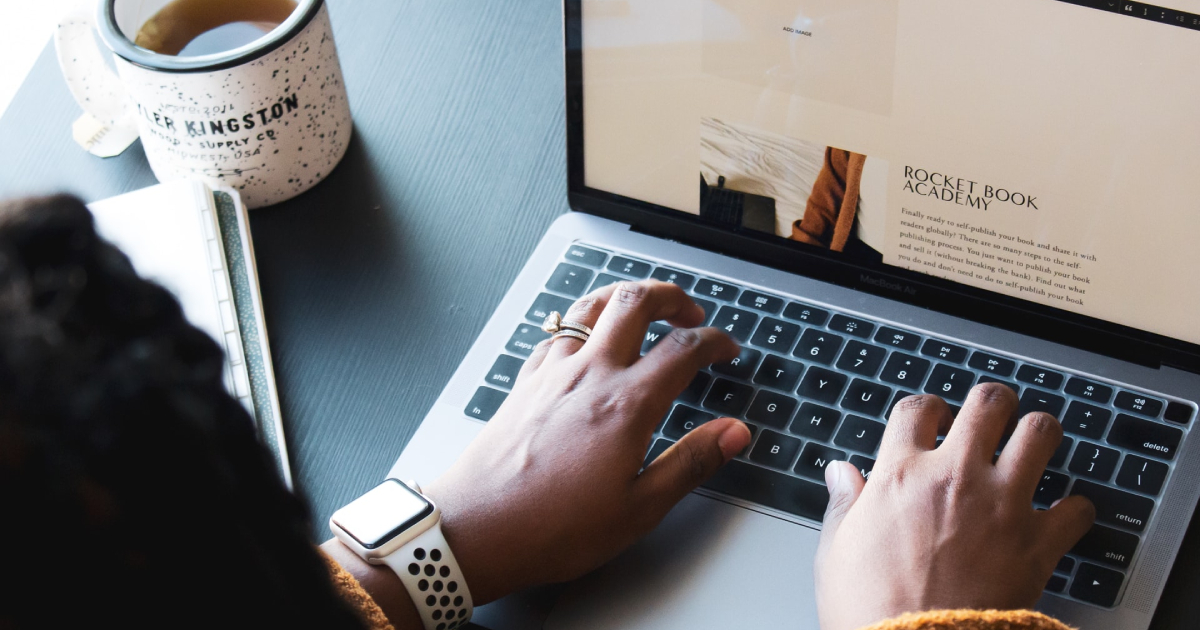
point(357, 597)
point(971, 620)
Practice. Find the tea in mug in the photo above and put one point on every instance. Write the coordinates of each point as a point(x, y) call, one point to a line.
point(191, 28)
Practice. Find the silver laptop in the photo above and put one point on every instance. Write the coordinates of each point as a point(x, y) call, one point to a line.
point(876, 199)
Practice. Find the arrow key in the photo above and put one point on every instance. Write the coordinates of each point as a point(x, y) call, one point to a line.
point(1097, 585)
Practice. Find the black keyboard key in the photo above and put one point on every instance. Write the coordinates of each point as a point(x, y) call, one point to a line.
point(742, 366)
point(815, 421)
point(1097, 585)
point(863, 464)
point(949, 382)
point(851, 326)
point(1057, 584)
point(1138, 403)
point(484, 403)
point(992, 364)
point(904, 370)
point(525, 339)
point(683, 419)
point(1094, 461)
point(604, 280)
point(1095, 392)
point(1116, 507)
point(716, 290)
point(1142, 475)
point(546, 304)
point(1145, 437)
point(898, 339)
point(775, 335)
point(709, 309)
point(775, 450)
point(822, 385)
point(1086, 420)
point(1065, 565)
point(804, 313)
point(1107, 545)
point(1060, 454)
point(654, 336)
point(944, 351)
point(728, 398)
point(779, 373)
point(504, 371)
point(815, 458)
point(735, 322)
point(768, 303)
point(859, 434)
point(861, 358)
point(683, 280)
point(1178, 413)
point(866, 397)
point(696, 388)
point(629, 267)
point(660, 446)
point(772, 409)
point(818, 347)
point(771, 489)
point(586, 256)
point(1037, 400)
point(1040, 376)
point(570, 279)
point(896, 398)
point(1051, 488)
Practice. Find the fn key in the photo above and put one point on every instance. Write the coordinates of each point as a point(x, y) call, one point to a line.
point(484, 403)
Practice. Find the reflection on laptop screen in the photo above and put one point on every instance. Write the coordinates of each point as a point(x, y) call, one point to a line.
point(1042, 149)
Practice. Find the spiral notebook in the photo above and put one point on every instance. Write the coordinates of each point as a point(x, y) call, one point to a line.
point(195, 241)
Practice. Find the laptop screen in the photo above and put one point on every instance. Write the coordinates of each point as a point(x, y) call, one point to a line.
point(1046, 150)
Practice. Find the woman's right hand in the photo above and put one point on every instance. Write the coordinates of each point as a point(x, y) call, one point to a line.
point(947, 527)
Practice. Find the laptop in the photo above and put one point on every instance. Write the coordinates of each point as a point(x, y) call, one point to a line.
point(1011, 196)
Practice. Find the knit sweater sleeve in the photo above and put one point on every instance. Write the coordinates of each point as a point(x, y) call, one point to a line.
point(971, 620)
point(357, 597)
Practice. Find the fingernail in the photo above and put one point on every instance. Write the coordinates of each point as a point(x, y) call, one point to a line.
point(733, 439)
point(833, 475)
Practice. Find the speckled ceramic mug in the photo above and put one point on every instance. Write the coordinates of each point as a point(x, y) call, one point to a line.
point(269, 119)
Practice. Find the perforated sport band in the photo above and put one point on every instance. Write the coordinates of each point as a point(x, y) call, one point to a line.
point(429, 571)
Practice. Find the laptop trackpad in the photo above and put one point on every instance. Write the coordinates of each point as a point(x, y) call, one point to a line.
point(709, 565)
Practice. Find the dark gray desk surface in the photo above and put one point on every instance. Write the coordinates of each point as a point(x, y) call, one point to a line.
point(376, 282)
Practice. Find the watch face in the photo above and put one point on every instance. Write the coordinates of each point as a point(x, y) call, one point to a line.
point(379, 515)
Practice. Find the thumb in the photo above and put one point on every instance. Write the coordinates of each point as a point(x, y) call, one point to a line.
point(689, 462)
point(845, 485)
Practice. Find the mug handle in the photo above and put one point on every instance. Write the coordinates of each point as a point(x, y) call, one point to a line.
point(96, 87)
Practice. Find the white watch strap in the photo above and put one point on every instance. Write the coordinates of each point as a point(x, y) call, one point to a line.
point(429, 571)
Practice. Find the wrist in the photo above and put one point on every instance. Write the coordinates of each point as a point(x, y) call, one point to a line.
point(481, 555)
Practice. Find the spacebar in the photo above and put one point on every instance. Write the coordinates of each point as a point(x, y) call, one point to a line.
point(772, 489)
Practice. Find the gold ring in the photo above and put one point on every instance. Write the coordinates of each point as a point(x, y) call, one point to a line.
point(554, 324)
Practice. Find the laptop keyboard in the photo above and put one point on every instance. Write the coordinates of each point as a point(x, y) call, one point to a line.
point(815, 385)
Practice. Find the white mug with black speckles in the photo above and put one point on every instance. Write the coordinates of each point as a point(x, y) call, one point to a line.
point(269, 118)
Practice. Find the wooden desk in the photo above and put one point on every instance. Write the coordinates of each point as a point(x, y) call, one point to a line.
point(376, 282)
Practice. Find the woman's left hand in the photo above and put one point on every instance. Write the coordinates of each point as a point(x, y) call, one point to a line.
point(550, 489)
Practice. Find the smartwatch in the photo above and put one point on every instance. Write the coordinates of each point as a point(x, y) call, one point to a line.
point(395, 525)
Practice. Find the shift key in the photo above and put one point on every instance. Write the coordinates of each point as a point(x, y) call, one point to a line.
point(1108, 546)
point(771, 489)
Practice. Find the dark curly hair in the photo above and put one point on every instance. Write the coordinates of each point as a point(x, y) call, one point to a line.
point(134, 491)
